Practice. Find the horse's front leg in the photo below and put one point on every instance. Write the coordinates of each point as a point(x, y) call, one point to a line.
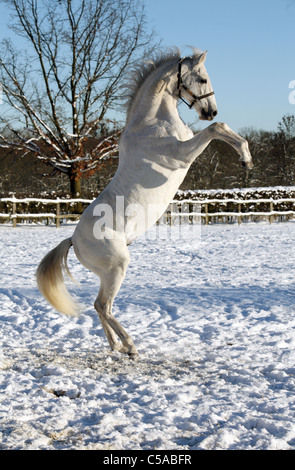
point(223, 132)
point(191, 149)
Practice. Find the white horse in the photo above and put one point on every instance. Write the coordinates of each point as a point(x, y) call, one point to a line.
point(156, 150)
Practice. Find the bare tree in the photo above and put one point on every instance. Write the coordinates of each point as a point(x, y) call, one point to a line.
point(284, 149)
point(58, 93)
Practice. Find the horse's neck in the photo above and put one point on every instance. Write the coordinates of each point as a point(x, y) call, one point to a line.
point(154, 100)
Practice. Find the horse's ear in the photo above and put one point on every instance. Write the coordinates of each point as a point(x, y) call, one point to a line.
point(202, 57)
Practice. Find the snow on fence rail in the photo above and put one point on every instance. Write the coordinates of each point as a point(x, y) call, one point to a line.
point(227, 210)
point(14, 216)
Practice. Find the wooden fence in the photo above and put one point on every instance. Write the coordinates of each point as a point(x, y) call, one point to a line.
point(234, 210)
point(179, 211)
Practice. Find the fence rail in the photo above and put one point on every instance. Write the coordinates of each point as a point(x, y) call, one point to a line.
point(14, 216)
point(179, 211)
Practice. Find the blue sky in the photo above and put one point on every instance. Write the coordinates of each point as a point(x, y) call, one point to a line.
point(251, 53)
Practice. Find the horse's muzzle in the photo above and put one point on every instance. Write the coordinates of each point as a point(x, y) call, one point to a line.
point(208, 115)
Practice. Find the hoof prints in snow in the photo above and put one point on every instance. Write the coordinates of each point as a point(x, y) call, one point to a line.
point(213, 320)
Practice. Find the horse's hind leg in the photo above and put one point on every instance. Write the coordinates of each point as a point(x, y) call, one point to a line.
point(113, 329)
point(109, 287)
point(109, 259)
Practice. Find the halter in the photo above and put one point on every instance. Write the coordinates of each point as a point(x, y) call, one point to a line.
point(181, 85)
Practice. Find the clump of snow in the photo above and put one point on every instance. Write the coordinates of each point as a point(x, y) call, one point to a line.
point(212, 317)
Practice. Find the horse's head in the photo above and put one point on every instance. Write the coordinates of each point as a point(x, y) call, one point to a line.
point(194, 86)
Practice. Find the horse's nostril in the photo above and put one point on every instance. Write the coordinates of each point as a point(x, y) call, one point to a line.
point(214, 113)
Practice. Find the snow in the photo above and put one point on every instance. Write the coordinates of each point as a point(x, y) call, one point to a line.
point(212, 315)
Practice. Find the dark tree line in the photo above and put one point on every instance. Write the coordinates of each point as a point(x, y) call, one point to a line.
point(218, 167)
point(273, 156)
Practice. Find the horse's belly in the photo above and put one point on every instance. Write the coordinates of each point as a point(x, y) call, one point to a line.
point(147, 204)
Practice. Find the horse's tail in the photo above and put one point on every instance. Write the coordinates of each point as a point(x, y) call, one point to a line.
point(50, 279)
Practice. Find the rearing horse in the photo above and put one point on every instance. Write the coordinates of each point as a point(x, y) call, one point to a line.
point(156, 150)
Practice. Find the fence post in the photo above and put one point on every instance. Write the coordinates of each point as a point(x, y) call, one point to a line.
point(13, 213)
point(58, 215)
point(239, 217)
point(271, 210)
point(206, 214)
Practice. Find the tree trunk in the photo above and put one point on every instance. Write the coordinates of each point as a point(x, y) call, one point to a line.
point(75, 185)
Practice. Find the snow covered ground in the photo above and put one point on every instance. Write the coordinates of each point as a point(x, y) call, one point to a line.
point(213, 318)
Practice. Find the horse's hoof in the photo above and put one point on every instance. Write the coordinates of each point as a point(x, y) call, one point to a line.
point(132, 353)
point(248, 165)
point(133, 356)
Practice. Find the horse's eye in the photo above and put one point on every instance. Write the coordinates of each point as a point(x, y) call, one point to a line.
point(203, 80)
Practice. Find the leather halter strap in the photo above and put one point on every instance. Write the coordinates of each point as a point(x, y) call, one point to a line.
point(181, 85)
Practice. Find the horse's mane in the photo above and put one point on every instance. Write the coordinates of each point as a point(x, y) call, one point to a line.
point(143, 69)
